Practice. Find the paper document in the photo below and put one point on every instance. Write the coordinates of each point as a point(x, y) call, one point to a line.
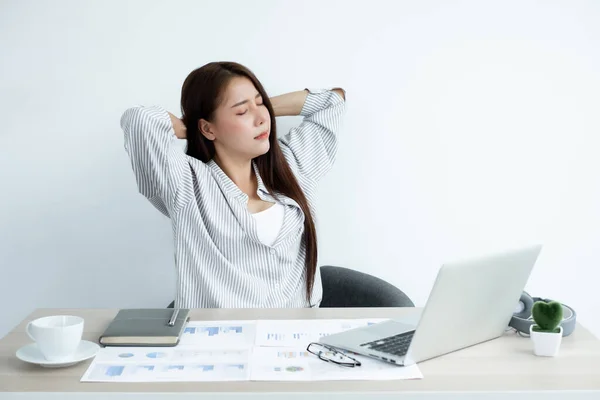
point(296, 364)
point(265, 350)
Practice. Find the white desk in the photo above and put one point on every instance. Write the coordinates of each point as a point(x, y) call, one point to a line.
point(498, 369)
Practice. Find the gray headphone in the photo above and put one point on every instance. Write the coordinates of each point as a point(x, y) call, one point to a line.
point(522, 320)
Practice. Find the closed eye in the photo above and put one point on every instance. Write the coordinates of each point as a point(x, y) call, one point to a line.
point(258, 104)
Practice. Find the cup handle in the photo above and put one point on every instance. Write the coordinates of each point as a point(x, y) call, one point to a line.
point(28, 332)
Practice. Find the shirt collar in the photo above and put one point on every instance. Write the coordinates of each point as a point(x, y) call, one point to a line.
point(225, 182)
point(230, 187)
point(261, 185)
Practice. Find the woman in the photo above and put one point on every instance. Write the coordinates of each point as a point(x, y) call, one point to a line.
point(240, 199)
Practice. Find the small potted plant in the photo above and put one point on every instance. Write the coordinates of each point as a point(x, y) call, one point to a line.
point(546, 332)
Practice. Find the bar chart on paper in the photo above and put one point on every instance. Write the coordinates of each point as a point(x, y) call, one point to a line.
point(291, 354)
point(221, 334)
point(277, 338)
point(171, 364)
point(167, 372)
point(213, 330)
point(293, 333)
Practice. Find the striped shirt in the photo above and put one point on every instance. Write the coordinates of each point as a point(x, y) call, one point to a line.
point(220, 260)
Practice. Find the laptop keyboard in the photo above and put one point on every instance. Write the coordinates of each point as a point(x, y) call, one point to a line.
point(396, 345)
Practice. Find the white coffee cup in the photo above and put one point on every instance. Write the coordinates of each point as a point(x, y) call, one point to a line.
point(57, 336)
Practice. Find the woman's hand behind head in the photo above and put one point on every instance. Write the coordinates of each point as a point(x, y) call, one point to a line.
point(178, 127)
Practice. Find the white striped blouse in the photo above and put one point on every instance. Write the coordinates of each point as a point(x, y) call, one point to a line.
point(220, 260)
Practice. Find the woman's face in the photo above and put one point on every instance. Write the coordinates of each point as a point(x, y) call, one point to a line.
point(241, 122)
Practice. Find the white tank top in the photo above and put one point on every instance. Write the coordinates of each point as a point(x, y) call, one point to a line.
point(269, 223)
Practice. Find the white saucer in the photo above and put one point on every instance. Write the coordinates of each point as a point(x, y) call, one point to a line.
point(31, 354)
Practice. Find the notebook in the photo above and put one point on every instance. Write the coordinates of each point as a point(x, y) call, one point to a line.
point(145, 327)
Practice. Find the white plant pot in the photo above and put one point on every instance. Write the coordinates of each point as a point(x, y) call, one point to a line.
point(545, 344)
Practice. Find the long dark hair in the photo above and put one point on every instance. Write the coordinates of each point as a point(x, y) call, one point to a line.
point(201, 93)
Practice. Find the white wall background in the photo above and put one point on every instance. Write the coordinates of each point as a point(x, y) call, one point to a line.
point(471, 126)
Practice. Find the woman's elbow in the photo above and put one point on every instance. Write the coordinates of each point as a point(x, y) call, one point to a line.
point(341, 92)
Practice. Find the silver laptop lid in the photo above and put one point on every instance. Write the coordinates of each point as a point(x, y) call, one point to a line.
point(472, 301)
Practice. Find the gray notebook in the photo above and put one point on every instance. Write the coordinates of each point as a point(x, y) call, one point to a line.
point(145, 327)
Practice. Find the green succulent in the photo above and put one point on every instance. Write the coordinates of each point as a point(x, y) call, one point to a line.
point(547, 316)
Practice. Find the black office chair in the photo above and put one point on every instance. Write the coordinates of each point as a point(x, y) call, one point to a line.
point(343, 287)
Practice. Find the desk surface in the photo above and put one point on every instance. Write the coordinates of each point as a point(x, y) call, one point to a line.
point(505, 364)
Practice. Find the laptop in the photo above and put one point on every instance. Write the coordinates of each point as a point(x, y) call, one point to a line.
point(472, 301)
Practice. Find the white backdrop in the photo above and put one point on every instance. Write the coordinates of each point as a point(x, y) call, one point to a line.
point(472, 126)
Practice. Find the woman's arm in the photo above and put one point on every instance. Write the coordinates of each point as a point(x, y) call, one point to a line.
point(290, 104)
point(311, 147)
point(158, 165)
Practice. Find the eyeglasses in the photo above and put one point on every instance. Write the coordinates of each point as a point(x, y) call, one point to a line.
point(330, 354)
